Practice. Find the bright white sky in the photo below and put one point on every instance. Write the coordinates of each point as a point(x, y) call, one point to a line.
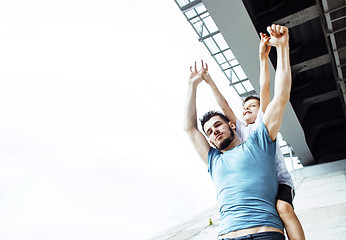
point(91, 101)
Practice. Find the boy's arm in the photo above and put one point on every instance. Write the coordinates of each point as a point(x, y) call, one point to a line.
point(273, 116)
point(190, 122)
point(264, 49)
point(219, 98)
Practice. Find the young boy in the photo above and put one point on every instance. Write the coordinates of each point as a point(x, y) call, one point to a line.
point(252, 116)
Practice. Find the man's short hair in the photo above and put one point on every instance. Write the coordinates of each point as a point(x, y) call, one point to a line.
point(208, 115)
point(251, 97)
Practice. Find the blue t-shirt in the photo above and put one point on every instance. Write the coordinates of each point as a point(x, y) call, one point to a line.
point(246, 183)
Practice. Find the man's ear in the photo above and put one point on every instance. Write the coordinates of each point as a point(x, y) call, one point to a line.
point(212, 143)
point(232, 125)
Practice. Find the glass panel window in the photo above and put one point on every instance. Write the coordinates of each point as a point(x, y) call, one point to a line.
point(191, 13)
point(182, 2)
point(248, 86)
point(220, 58)
point(210, 24)
point(228, 73)
point(228, 54)
point(201, 8)
point(285, 150)
point(209, 42)
point(225, 66)
point(198, 26)
point(234, 62)
point(240, 88)
point(221, 41)
point(205, 31)
point(195, 20)
point(240, 73)
point(204, 15)
point(234, 78)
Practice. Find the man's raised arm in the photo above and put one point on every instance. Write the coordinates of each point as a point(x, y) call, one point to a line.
point(190, 122)
point(273, 116)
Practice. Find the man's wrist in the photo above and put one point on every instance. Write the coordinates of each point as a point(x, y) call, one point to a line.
point(193, 83)
point(208, 80)
point(263, 60)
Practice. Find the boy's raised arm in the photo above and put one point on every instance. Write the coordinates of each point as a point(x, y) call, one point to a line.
point(219, 98)
point(283, 80)
point(190, 122)
point(264, 49)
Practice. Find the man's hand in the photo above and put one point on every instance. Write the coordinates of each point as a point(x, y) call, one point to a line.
point(190, 117)
point(205, 74)
point(278, 35)
point(196, 75)
point(264, 47)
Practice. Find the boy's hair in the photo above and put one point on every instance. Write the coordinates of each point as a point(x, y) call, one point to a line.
point(251, 97)
point(208, 115)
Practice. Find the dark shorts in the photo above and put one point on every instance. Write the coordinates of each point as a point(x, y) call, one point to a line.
point(285, 193)
point(259, 236)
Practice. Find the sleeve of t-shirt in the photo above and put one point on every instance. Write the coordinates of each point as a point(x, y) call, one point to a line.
point(261, 137)
point(211, 154)
point(239, 129)
point(259, 119)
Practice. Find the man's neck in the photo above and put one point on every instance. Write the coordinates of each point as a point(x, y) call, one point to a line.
point(236, 141)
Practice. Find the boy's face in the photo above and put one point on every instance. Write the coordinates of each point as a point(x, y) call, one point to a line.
point(250, 110)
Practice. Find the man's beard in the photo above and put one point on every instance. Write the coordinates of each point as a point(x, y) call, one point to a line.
point(227, 141)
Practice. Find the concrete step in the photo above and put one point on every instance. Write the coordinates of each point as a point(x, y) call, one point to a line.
point(320, 204)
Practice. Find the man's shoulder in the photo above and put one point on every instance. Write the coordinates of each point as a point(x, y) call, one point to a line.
point(213, 152)
point(259, 132)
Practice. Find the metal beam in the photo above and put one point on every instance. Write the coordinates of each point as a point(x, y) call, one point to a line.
point(198, 15)
point(306, 103)
point(315, 130)
point(333, 47)
point(325, 6)
point(230, 16)
point(330, 32)
point(250, 93)
point(312, 63)
point(237, 82)
point(300, 17)
point(231, 67)
point(190, 6)
point(221, 52)
point(209, 35)
point(321, 97)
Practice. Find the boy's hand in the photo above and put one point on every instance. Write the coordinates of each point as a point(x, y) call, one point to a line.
point(264, 47)
point(278, 35)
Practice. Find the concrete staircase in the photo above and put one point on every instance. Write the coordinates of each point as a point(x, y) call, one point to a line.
point(320, 204)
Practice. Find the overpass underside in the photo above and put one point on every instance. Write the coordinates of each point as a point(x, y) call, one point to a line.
point(315, 120)
point(318, 59)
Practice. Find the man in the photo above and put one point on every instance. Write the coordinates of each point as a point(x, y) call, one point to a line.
point(244, 174)
point(253, 109)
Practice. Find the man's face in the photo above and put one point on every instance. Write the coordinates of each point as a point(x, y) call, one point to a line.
point(250, 110)
point(219, 132)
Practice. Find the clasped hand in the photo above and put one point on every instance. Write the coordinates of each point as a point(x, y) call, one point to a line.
point(197, 76)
